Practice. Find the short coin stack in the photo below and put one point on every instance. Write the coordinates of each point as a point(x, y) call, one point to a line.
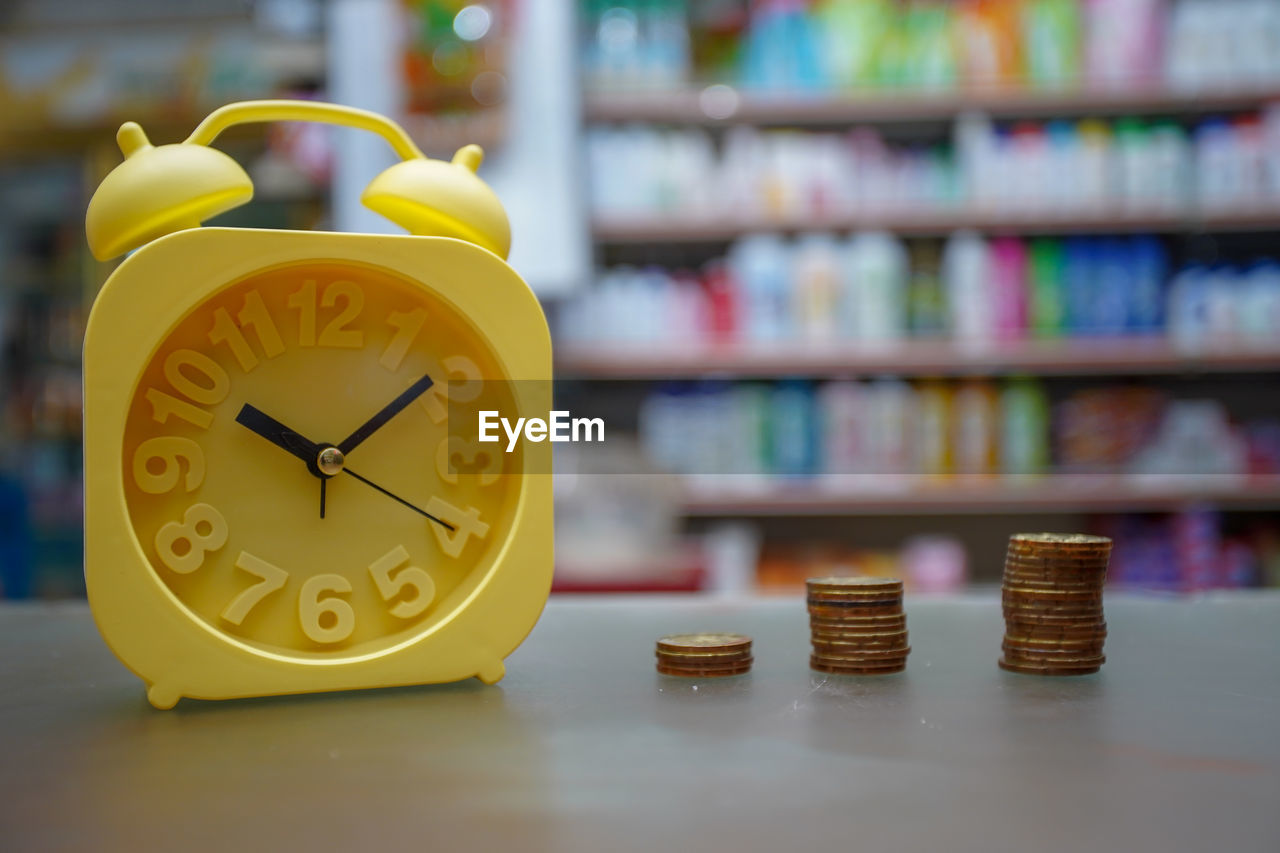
point(857, 626)
point(1052, 596)
point(704, 655)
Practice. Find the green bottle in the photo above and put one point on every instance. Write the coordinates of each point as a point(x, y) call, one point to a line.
point(1047, 309)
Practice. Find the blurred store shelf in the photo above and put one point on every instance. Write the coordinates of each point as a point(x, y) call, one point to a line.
point(1063, 357)
point(716, 105)
point(1059, 493)
point(937, 223)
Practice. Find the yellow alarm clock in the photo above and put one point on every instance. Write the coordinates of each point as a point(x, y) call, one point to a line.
point(283, 491)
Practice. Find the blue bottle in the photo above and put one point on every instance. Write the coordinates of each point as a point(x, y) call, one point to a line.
point(1078, 276)
point(1147, 288)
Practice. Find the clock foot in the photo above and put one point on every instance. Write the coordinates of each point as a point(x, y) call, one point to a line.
point(492, 673)
point(162, 697)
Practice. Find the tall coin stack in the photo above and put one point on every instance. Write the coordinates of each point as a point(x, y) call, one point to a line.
point(857, 626)
point(704, 655)
point(1052, 594)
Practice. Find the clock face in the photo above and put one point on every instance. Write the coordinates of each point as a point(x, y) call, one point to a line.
point(319, 388)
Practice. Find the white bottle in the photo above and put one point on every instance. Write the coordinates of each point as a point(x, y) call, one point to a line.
point(966, 279)
point(845, 414)
point(818, 286)
point(762, 264)
point(876, 277)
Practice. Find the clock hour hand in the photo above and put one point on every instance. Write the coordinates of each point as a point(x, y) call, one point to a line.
point(279, 435)
point(387, 412)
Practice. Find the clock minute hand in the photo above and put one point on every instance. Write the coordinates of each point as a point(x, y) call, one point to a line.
point(278, 434)
point(385, 414)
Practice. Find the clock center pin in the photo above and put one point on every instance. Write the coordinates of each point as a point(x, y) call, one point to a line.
point(330, 461)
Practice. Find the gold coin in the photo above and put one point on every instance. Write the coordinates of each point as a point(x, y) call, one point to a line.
point(860, 631)
point(706, 657)
point(1050, 659)
point(704, 642)
point(855, 584)
point(1046, 593)
point(845, 655)
point(1030, 669)
point(703, 673)
point(1053, 642)
point(1055, 632)
point(851, 607)
point(1040, 582)
point(838, 669)
point(857, 621)
point(687, 663)
point(1060, 540)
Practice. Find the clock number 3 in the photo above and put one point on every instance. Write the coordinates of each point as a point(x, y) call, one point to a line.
point(182, 545)
point(408, 578)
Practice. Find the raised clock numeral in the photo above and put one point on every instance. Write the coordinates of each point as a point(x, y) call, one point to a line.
point(326, 618)
point(457, 455)
point(182, 545)
point(304, 299)
point(272, 578)
point(407, 325)
point(164, 406)
point(352, 297)
point(463, 386)
point(254, 315)
point(335, 333)
point(465, 525)
point(168, 449)
point(408, 578)
point(209, 392)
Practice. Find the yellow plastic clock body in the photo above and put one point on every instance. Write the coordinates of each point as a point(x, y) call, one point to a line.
point(223, 556)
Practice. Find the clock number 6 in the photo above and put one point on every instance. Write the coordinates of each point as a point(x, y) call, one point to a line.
point(182, 545)
point(326, 619)
point(410, 577)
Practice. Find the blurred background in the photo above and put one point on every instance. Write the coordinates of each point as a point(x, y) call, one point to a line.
point(860, 286)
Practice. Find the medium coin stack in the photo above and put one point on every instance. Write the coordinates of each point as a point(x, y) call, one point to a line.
point(857, 626)
point(1052, 594)
point(704, 655)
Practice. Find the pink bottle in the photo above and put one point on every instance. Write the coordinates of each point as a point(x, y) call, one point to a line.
point(1009, 288)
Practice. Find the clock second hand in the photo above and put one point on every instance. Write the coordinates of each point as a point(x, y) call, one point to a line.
point(396, 497)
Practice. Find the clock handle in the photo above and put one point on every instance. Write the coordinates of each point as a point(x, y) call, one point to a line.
point(250, 112)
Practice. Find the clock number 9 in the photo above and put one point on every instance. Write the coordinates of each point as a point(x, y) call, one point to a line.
point(410, 577)
point(457, 455)
point(202, 529)
point(440, 394)
point(168, 449)
point(329, 619)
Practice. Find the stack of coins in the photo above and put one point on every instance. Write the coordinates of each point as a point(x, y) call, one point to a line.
point(857, 626)
point(704, 655)
point(1052, 595)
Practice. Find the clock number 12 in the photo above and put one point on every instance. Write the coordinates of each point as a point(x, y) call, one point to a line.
point(335, 333)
